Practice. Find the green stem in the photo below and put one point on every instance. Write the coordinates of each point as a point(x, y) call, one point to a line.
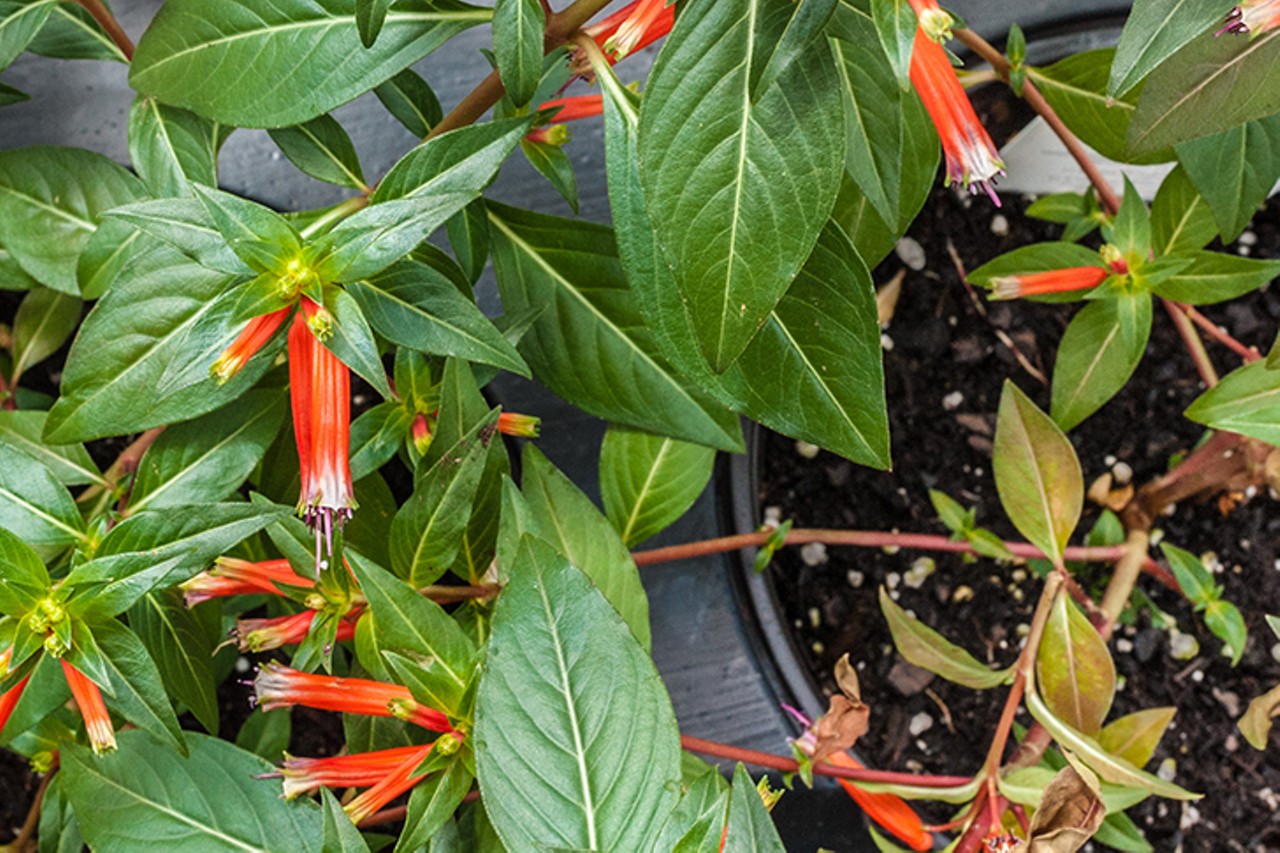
point(334, 214)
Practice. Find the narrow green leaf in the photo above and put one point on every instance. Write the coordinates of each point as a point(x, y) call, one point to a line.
point(924, 647)
point(261, 238)
point(1180, 216)
point(182, 650)
point(518, 27)
point(564, 517)
point(432, 804)
point(240, 64)
point(138, 693)
point(322, 149)
point(20, 20)
point(10, 95)
point(1134, 737)
point(70, 463)
point(749, 828)
point(1234, 171)
point(1037, 474)
point(33, 504)
point(1246, 401)
point(1130, 229)
point(408, 97)
point(736, 216)
point(44, 321)
point(697, 822)
point(24, 581)
point(184, 224)
point(171, 147)
point(147, 798)
point(1154, 31)
point(415, 306)
point(1120, 832)
point(1098, 353)
point(338, 834)
point(1195, 580)
point(352, 340)
point(72, 33)
point(370, 16)
point(50, 202)
point(267, 734)
point(648, 481)
point(468, 231)
point(376, 435)
point(1074, 671)
point(1210, 277)
point(896, 25)
point(576, 741)
point(553, 163)
point(1224, 620)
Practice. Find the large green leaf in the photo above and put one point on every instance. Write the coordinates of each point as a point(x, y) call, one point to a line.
point(1246, 401)
point(518, 27)
point(1154, 31)
point(322, 149)
point(647, 481)
point(23, 577)
point(44, 321)
point(408, 97)
point(263, 63)
point(20, 20)
point(184, 224)
point(137, 692)
point(749, 827)
point(208, 458)
point(576, 741)
point(414, 305)
point(142, 356)
point(589, 344)
point(1235, 171)
point(924, 647)
point(170, 147)
point(1099, 351)
point(1210, 277)
point(182, 650)
point(50, 203)
point(564, 517)
point(741, 147)
point(1180, 216)
point(1210, 85)
point(146, 797)
point(72, 33)
point(1037, 474)
point(1074, 671)
point(33, 504)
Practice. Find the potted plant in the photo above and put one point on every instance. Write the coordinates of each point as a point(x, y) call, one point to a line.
point(269, 426)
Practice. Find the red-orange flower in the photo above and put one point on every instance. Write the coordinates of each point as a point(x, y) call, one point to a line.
point(361, 770)
point(251, 339)
point(231, 576)
point(1253, 17)
point(568, 109)
point(524, 426)
point(1053, 281)
point(9, 699)
point(278, 686)
point(395, 783)
point(260, 635)
point(633, 27)
point(97, 722)
point(972, 159)
point(320, 394)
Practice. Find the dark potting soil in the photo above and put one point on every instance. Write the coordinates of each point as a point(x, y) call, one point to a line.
point(945, 364)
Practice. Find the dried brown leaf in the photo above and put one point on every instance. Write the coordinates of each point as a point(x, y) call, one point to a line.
point(1070, 813)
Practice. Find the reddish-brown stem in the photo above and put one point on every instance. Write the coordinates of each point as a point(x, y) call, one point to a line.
point(28, 831)
point(452, 594)
point(1191, 340)
point(787, 765)
point(108, 22)
point(1216, 332)
point(398, 813)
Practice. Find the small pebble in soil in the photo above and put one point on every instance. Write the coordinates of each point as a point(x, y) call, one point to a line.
point(1182, 646)
point(911, 253)
point(1000, 225)
point(856, 578)
point(1167, 770)
point(817, 647)
point(964, 593)
point(772, 516)
point(815, 617)
point(1124, 646)
point(919, 572)
point(814, 554)
point(1109, 460)
point(1190, 816)
point(920, 724)
point(243, 665)
point(1018, 575)
point(886, 343)
point(1211, 562)
point(952, 401)
point(1229, 699)
point(1247, 238)
point(1275, 652)
point(1243, 251)
point(892, 580)
point(1197, 676)
point(1022, 630)
point(807, 450)
point(1123, 473)
point(1231, 744)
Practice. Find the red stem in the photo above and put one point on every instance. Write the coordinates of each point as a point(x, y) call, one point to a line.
point(108, 22)
point(1216, 332)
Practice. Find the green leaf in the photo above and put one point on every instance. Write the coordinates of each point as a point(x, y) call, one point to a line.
point(50, 202)
point(518, 27)
point(1154, 31)
point(72, 33)
point(697, 822)
point(10, 95)
point(370, 17)
point(648, 481)
point(1037, 474)
point(1246, 401)
point(240, 64)
point(1038, 257)
point(1180, 216)
point(352, 340)
point(33, 504)
point(58, 831)
point(1130, 229)
point(142, 356)
point(430, 184)
point(1109, 767)
point(1075, 87)
point(1195, 580)
point(896, 26)
point(553, 164)
point(415, 306)
point(1099, 352)
point(171, 147)
point(322, 149)
point(24, 581)
point(70, 463)
point(956, 518)
point(1120, 832)
point(924, 647)
point(589, 345)
point(432, 804)
point(44, 321)
point(1235, 171)
point(182, 650)
point(1074, 672)
point(749, 828)
point(376, 435)
point(259, 236)
point(184, 224)
point(145, 797)
point(1224, 620)
point(408, 623)
point(576, 741)
point(20, 20)
point(1134, 737)
point(426, 532)
point(1210, 85)
point(1211, 277)
point(137, 692)
point(207, 459)
point(468, 231)
point(408, 97)
point(267, 733)
point(564, 517)
point(338, 834)
point(737, 84)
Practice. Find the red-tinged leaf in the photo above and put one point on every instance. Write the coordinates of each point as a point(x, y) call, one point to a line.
point(1076, 675)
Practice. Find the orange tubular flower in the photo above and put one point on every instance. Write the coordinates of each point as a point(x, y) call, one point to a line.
point(361, 770)
point(633, 27)
point(251, 339)
point(10, 698)
point(523, 426)
point(260, 635)
point(569, 109)
point(278, 686)
point(390, 786)
point(972, 159)
point(1054, 281)
point(231, 576)
point(97, 722)
point(320, 394)
point(421, 432)
point(1252, 17)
